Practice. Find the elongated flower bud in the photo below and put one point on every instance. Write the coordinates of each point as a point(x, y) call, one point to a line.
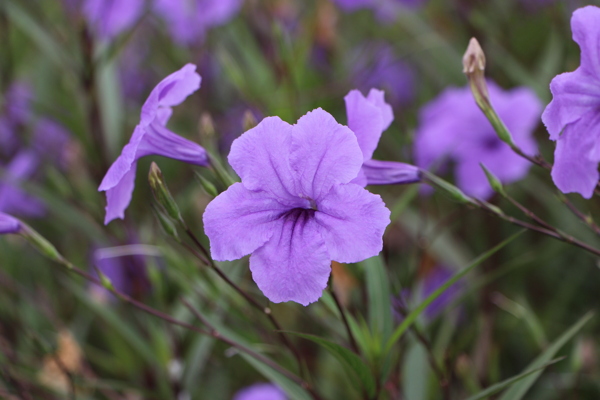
point(493, 180)
point(161, 192)
point(41, 244)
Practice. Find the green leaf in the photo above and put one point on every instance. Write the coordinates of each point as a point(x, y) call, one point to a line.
point(519, 390)
point(411, 318)
point(378, 290)
point(349, 359)
point(416, 371)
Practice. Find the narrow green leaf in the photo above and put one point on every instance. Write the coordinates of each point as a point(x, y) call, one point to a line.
point(415, 378)
point(410, 318)
point(349, 359)
point(510, 381)
point(378, 290)
point(519, 390)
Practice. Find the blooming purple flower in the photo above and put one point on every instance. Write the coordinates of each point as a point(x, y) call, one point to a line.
point(13, 199)
point(189, 20)
point(295, 209)
point(9, 224)
point(108, 18)
point(151, 137)
point(368, 117)
point(260, 391)
point(452, 127)
point(573, 116)
point(17, 110)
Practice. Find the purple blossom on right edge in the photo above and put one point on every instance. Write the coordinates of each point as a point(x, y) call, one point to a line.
point(573, 116)
point(453, 128)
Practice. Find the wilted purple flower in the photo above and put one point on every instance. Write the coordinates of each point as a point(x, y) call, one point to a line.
point(260, 391)
point(376, 65)
point(50, 141)
point(13, 199)
point(295, 209)
point(368, 117)
point(452, 127)
point(9, 224)
point(189, 20)
point(151, 137)
point(575, 111)
point(108, 18)
point(385, 10)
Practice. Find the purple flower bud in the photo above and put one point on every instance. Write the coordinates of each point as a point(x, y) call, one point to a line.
point(9, 224)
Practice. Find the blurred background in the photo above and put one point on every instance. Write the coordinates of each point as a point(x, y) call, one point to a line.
point(73, 77)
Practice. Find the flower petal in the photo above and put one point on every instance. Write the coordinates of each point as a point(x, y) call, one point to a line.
point(584, 24)
point(366, 120)
point(123, 163)
point(294, 264)
point(352, 222)
point(324, 153)
point(239, 221)
point(8, 224)
point(118, 196)
point(261, 157)
point(160, 141)
point(575, 160)
point(471, 179)
point(390, 172)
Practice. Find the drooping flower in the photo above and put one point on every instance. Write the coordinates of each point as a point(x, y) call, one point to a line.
point(151, 137)
point(109, 18)
point(385, 10)
point(13, 199)
point(9, 224)
point(453, 128)
point(189, 20)
point(368, 117)
point(573, 116)
point(295, 209)
point(260, 391)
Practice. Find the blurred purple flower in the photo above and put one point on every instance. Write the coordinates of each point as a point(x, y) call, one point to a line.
point(51, 141)
point(260, 391)
point(435, 278)
point(109, 18)
point(295, 209)
point(368, 117)
point(151, 137)
point(452, 127)
point(573, 116)
point(385, 10)
point(17, 110)
point(189, 20)
point(376, 65)
point(9, 224)
point(13, 199)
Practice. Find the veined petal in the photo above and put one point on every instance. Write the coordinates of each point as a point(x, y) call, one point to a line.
point(239, 221)
point(389, 172)
point(9, 224)
point(294, 264)
point(160, 141)
point(585, 25)
point(261, 157)
point(573, 95)
point(352, 221)
point(324, 153)
point(118, 196)
point(366, 120)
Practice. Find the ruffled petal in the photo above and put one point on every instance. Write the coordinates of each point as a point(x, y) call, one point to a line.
point(324, 153)
point(573, 95)
point(294, 264)
point(584, 24)
point(389, 172)
point(124, 162)
point(160, 141)
point(366, 120)
point(377, 98)
point(239, 221)
point(261, 157)
point(575, 160)
point(9, 224)
point(352, 222)
point(118, 196)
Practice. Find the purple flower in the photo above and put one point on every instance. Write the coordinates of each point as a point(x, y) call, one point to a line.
point(17, 110)
point(151, 137)
point(13, 199)
point(9, 224)
point(295, 209)
point(189, 20)
point(453, 128)
point(260, 391)
point(368, 117)
point(573, 116)
point(51, 141)
point(108, 18)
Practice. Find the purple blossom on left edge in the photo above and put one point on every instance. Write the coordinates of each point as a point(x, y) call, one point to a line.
point(151, 137)
point(453, 128)
point(9, 224)
point(368, 117)
point(295, 210)
point(573, 116)
point(108, 18)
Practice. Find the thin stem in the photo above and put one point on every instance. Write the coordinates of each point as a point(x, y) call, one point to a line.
point(585, 218)
point(343, 314)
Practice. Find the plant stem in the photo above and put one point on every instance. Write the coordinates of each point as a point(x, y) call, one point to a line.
point(344, 319)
